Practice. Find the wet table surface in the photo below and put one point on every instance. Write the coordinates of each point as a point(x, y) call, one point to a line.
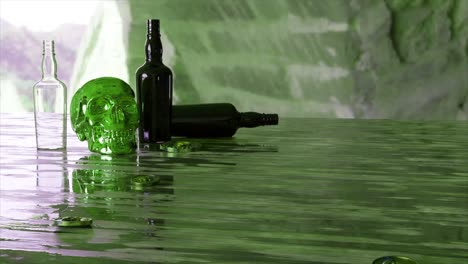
point(306, 191)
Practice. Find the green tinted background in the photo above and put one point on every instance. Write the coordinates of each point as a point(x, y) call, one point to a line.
point(299, 58)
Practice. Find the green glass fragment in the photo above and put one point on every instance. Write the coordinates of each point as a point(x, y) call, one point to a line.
point(74, 221)
point(104, 112)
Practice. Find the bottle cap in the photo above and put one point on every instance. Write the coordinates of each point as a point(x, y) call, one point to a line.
point(74, 221)
point(48, 46)
point(143, 180)
point(270, 119)
point(253, 119)
point(153, 26)
point(179, 146)
point(394, 260)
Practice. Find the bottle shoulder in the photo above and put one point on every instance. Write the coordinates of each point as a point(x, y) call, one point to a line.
point(153, 69)
point(50, 82)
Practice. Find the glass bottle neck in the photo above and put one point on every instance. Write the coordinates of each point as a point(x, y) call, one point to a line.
point(154, 50)
point(252, 119)
point(49, 65)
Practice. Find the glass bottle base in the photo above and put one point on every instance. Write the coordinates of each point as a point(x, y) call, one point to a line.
point(52, 148)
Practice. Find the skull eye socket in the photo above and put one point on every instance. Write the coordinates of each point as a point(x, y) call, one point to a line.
point(129, 105)
point(98, 106)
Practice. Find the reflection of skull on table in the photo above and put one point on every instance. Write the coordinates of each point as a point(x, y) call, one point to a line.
point(104, 112)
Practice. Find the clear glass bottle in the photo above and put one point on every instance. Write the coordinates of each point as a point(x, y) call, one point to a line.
point(50, 104)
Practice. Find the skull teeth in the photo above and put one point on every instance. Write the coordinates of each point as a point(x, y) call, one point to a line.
point(104, 136)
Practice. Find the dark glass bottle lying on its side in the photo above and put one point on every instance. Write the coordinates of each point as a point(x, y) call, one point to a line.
point(154, 90)
point(214, 120)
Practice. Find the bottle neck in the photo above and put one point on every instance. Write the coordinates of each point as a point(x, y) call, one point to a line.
point(252, 119)
point(154, 50)
point(49, 64)
point(153, 46)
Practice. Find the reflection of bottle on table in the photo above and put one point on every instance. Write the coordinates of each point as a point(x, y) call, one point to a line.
point(51, 173)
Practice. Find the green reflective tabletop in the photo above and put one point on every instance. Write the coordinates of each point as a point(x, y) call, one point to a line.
point(306, 191)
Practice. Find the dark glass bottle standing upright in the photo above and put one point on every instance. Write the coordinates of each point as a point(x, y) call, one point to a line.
point(154, 90)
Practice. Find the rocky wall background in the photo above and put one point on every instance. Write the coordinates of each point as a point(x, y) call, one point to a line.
point(404, 59)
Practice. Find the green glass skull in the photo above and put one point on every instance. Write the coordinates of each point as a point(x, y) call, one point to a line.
point(104, 112)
